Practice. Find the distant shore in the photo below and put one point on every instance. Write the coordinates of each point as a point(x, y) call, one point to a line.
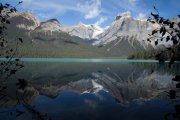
point(79, 60)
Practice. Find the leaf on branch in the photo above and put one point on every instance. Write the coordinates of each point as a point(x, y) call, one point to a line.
point(161, 20)
point(7, 21)
point(167, 38)
point(12, 10)
point(2, 44)
point(172, 94)
point(171, 25)
point(20, 39)
point(154, 31)
point(13, 71)
point(179, 24)
point(172, 32)
point(4, 27)
point(155, 7)
point(164, 32)
point(7, 4)
point(3, 20)
point(156, 16)
point(20, 2)
point(161, 30)
point(178, 35)
point(22, 84)
point(156, 42)
point(178, 85)
point(152, 21)
point(176, 78)
point(175, 42)
point(11, 50)
point(17, 60)
point(169, 49)
point(1, 7)
point(166, 22)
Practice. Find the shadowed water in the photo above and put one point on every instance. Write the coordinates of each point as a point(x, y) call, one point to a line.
point(93, 90)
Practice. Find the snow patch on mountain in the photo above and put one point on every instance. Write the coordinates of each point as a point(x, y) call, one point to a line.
point(84, 31)
point(125, 26)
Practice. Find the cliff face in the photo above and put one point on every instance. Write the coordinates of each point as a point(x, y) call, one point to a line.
point(24, 20)
point(126, 26)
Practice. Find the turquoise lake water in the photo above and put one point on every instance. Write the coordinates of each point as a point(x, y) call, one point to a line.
point(81, 60)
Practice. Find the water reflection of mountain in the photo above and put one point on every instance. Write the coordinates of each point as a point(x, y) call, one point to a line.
point(123, 81)
point(146, 86)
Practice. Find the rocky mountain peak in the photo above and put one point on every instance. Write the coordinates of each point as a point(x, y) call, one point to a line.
point(52, 21)
point(84, 31)
point(125, 27)
point(80, 24)
point(50, 25)
point(24, 20)
point(118, 17)
point(123, 15)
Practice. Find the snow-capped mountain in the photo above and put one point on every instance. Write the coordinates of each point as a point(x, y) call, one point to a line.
point(123, 37)
point(84, 31)
point(125, 26)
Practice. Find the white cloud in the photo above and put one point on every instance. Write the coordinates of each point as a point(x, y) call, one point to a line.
point(100, 21)
point(46, 10)
point(91, 8)
point(134, 6)
point(26, 0)
point(133, 2)
point(141, 16)
point(130, 5)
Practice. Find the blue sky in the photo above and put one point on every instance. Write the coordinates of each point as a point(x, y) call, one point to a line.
point(99, 12)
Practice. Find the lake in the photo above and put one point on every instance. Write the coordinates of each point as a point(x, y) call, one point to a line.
point(91, 89)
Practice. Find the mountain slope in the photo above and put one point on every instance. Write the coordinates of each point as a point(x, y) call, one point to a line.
point(23, 20)
point(51, 39)
point(125, 25)
point(83, 31)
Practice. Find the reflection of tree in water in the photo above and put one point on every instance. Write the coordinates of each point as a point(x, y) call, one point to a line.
point(174, 95)
point(10, 66)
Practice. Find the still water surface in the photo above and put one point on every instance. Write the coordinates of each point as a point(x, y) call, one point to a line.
point(92, 90)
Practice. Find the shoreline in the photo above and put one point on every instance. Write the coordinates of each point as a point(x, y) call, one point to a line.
point(95, 60)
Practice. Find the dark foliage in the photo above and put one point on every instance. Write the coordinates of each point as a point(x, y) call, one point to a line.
point(169, 30)
point(11, 64)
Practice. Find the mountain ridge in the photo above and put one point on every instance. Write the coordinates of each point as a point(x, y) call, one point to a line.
point(120, 39)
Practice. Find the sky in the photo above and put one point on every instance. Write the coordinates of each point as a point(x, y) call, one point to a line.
point(98, 12)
